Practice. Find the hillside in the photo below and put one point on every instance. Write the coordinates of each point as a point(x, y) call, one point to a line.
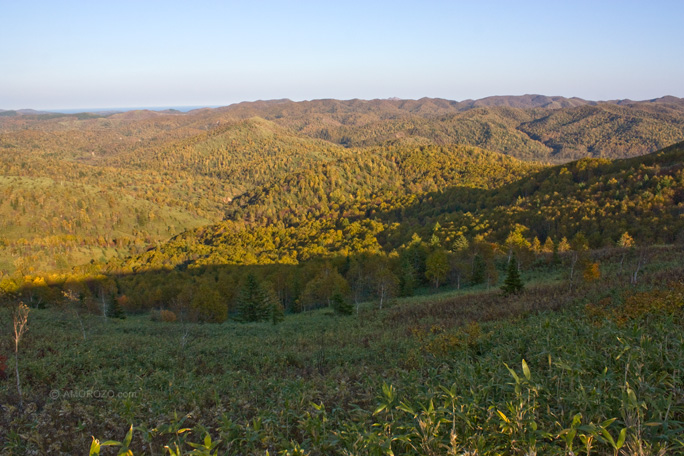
point(592, 357)
point(52, 225)
point(281, 159)
point(618, 128)
point(243, 286)
point(97, 190)
point(529, 127)
point(598, 197)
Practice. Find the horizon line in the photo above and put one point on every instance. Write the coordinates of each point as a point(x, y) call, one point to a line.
point(187, 108)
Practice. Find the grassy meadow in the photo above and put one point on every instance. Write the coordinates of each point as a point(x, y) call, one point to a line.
point(583, 368)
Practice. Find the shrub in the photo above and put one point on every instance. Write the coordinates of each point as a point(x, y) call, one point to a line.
point(167, 316)
point(209, 305)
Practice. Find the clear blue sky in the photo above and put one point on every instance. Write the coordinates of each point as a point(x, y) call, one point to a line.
point(117, 53)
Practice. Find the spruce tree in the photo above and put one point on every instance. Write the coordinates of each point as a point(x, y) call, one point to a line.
point(248, 300)
point(257, 302)
point(341, 305)
point(513, 283)
point(116, 311)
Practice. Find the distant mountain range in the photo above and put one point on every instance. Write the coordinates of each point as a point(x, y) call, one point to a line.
point(528, 127)
point(22, 112)
point(440, 105)
point(527, 101)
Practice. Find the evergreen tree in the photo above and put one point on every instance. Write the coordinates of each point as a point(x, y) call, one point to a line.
point(341, 305)
point(513, 283)
point(277, 310)
point(116, 311)
point(407, 279)
point(254, 301)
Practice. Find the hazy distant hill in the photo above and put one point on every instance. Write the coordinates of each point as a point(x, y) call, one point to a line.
point(22, 112)
point(527, 102)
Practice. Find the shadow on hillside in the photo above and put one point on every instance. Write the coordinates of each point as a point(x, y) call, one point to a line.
point(193, 293)
point(182, 283)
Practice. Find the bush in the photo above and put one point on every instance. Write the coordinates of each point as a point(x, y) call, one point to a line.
point(167, 316)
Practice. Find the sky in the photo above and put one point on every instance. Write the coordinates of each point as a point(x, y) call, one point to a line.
point(108, 54)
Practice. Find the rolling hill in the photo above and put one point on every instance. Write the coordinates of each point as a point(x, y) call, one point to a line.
point(239, 274)
point(598, 197)
point(279, 159)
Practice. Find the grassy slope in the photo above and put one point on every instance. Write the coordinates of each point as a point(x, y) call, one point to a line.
point(315, 380)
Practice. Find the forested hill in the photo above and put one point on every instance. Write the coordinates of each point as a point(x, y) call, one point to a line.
point(532, 127)
point(597, 197)
point(379, 174)
point(89, 187)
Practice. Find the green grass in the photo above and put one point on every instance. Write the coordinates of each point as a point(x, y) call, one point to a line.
point(315, 382)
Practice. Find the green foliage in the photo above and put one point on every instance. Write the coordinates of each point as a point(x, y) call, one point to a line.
point(479, 270)
point(256, 302)
point(410, 391)
point(341, 305)
point(115, 309)
point(277, 311)
point(320, 290)
point(404, 198)
point(209, 305)
point(436, 267)
point(513, 283)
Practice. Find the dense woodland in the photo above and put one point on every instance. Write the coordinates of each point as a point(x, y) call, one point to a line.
point(106, 198)
point(176, 171)
point(281, 213)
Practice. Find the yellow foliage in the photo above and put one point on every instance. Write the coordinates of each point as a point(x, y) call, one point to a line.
point(167, 316)
point(668, 301)
point(591, 272)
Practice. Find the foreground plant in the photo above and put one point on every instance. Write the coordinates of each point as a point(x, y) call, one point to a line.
point(96, 446)
point(20, 320)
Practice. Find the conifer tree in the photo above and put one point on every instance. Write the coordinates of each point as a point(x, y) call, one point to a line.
point(277, 309)
point(255, 303)
point(116, 311)
point(513, 283)
point(341, 305)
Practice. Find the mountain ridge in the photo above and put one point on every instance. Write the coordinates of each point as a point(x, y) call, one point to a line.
point(525, 101)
